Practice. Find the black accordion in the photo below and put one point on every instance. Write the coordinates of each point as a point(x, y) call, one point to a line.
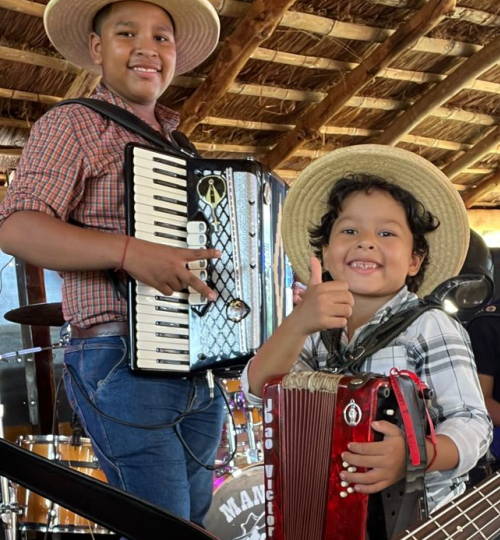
point(231, 205)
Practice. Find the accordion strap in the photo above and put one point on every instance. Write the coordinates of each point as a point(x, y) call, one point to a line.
point(177, 143)
point(380, 337)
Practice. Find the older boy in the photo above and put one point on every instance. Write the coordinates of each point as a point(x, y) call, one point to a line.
point(71, 170)
point(385, 223)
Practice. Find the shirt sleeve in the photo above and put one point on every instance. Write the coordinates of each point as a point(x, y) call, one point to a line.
point(303, 363)
point(49, 176)
point(443, 352)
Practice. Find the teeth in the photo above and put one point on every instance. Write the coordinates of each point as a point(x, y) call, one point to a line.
point(363, 265)
point(145, 70)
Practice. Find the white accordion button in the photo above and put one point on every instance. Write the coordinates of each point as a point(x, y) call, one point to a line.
point(200, 274)
point(351, 469)
point(198, 265)
point(343, 494)
point(196, 240)
point(196, 299)
point(196, 227)
point(344, 484)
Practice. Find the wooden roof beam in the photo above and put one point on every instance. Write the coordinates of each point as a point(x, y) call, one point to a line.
point(323, 26)
point(308, 125)
point(474, 16)
point(484, 146)
point(487, 186)
point(23, 6)
point(257, 26)
point(36, 59)
point(328, 64)
point(442, 92)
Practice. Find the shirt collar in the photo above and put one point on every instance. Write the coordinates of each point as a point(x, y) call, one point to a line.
point(168, 119)
point(400, 301)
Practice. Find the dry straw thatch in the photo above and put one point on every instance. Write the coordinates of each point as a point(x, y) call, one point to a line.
point(292, 80)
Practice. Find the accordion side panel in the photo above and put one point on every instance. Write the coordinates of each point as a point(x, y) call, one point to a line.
point(306, 430)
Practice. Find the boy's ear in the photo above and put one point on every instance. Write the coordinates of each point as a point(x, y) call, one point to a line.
point(95, 48)
point(415, 263)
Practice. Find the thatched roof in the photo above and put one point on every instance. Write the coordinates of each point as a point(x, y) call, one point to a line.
point(292, 80)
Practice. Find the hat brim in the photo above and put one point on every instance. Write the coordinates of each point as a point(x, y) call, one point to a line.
point(68, 24)
point(305, 204)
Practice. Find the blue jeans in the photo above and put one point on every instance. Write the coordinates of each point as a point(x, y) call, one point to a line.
point(150, 463)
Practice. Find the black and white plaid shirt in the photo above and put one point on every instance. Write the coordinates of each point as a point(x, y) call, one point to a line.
point(437, 348)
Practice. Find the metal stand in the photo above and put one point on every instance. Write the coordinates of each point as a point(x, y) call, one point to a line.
point(9, 508)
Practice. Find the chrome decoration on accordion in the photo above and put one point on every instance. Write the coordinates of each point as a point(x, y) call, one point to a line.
point(231, 205)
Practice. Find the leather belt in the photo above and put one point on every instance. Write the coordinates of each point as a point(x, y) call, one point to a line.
point(116, 328)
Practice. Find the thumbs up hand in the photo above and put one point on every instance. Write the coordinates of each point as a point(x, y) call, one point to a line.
point(323, 305)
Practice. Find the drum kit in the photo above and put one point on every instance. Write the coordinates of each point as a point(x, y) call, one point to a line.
point(237, 512)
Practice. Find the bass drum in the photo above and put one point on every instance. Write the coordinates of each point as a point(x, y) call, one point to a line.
point(237, 511)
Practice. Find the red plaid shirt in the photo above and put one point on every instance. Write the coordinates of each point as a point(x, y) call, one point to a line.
point(72, 167)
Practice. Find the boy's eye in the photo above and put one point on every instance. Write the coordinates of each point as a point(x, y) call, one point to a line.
point(386, 233)
point(348, 231)
point(125, 34)
point(162, 38)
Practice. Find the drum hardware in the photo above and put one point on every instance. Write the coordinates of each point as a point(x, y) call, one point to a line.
point(42, 515)
point(65, 336)
point(37, 314)
point(9, 509)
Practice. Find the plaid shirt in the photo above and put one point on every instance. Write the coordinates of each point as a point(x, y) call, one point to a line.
point(72, 167)
point(435, 347)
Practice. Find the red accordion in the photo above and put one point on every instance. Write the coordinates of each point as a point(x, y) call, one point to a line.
point(309, 418)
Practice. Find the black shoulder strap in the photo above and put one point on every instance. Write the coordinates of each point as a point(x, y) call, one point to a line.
point(178, 142)
point(376, 340)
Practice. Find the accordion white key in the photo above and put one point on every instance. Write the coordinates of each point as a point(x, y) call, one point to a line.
point(234, 206)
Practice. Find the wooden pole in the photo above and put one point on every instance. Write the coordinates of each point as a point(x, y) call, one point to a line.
point(474, 195)
point(257, 26)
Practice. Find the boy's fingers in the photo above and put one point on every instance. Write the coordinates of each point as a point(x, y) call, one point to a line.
point(316, 271)
point(200, 254)
point(200, 286)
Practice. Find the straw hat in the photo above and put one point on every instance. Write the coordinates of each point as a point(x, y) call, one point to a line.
point(306, 201)
point(68, 24)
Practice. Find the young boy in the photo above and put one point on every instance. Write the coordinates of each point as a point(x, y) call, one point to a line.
point(393, 224)
point(71, 170)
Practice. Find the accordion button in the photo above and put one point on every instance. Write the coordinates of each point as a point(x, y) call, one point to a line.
point(351, 469)
point(344, 484)
point(350, 490)
point(197, 265)
point(345, 464)
point(343, 494)
point(196, 240)
point(196, 299)
point(196, 227)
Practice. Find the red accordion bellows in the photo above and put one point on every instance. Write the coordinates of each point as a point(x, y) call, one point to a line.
point(309, 418)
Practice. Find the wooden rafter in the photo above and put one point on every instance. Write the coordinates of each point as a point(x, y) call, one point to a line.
point(474, 16)
point(324, 26)
point(36, 59)
point(83, 85)
point(474, 195)
point(307, 126)
point(442, 92)
point(257, 25)
point(480, 148)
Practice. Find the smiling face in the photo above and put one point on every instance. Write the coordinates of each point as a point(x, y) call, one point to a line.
point(136, 50)
point(371, 246)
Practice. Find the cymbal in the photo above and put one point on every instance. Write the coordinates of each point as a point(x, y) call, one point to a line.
point(37, 314)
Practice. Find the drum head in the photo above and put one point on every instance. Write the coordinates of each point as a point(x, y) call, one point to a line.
point(238, 511)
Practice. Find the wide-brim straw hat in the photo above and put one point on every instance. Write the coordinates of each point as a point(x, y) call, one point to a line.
point(306, 203)
point(68, 24)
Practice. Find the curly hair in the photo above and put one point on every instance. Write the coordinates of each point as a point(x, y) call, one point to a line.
point(420, 220)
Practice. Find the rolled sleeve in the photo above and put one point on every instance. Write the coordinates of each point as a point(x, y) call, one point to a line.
point(49, 175)
point(458, 409)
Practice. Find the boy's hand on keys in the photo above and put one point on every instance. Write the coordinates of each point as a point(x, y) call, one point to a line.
point(166, 268)
point(385, 460)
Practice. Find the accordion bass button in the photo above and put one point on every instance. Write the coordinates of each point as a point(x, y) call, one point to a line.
point(344, 483)
point(344, 494)
point(351, 469)
point(196, 240)
point(196, 227)
point(196, 299)
point(198, 265)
